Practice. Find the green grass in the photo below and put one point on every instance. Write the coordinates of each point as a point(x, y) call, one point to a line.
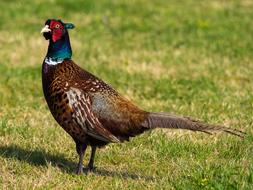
point(186, 57)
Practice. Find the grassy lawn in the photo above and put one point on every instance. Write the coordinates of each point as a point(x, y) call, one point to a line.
point(188, 57)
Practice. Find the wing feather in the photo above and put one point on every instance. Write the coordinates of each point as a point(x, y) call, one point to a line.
point(85, 118)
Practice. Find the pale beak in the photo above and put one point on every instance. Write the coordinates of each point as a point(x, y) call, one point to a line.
point(45, 29)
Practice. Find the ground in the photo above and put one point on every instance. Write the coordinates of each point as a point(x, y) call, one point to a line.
point(185, 57)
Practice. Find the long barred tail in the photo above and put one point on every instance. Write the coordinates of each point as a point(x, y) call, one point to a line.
point(163, 120)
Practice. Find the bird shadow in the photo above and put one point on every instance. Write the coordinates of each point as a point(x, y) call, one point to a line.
point(122, 174)
point(42, 158)
point(37, 157)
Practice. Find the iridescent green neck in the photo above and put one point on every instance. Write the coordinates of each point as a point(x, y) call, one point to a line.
point(60, 50)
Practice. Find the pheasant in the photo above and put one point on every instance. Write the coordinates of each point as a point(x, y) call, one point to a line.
point(92, 112)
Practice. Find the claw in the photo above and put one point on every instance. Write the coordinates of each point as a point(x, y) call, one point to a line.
point(79, 170)
point(91, 169)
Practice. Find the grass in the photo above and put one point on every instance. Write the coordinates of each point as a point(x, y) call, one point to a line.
point(186, 57)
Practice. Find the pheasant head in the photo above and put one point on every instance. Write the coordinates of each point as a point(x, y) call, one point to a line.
point(56, 32)
point(55, 29)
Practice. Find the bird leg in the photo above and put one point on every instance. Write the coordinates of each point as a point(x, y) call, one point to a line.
point(80, 148)
point(92, 156)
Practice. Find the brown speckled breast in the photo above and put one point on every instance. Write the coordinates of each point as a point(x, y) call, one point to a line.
point(56, 84)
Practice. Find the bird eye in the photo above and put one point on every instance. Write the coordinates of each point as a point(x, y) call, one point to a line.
point(57, 26)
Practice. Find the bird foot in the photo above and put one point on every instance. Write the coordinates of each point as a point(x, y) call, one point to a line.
point(79, 170)
point(91, 169)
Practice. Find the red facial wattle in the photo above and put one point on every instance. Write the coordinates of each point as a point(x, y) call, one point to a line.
point(57, 30)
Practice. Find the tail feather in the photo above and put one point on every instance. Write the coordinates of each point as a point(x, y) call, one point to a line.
point(162, 120)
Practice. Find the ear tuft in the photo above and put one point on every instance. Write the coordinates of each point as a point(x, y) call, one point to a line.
point(69, 25)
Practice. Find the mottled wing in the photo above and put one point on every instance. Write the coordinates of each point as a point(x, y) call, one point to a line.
point(85, 118)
